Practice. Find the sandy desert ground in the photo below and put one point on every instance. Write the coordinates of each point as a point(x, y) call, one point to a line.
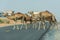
point(11, 22)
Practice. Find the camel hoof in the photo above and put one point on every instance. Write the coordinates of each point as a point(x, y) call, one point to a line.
point(33, 26)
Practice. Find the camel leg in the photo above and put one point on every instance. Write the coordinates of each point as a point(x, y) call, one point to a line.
point(17, 25)
point(43, 22)
point(43, 25)
point(14, 26)
point(33, 25)
point(17, 28)
point(39, 26)
point(51, 25)
point(56, 25)
point(22, 23)
point(26, 26)
point(21, 27)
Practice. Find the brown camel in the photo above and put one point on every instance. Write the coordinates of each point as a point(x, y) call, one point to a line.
point(35, 18)
point(19, 16)
point(15, 17)
point(48, 16)
point(11, 18)
point(28, 18)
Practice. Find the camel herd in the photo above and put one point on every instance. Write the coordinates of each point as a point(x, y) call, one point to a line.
point(32, 17)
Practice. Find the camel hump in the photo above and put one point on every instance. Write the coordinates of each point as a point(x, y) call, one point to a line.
point(19, 13)
point(48, 11)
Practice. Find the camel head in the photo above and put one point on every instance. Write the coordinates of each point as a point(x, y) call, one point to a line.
point(30, 13)
point(8, 13)
point(5, 14)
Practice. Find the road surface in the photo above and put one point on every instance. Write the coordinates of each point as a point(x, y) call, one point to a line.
point(53, 34)
point(7, 33)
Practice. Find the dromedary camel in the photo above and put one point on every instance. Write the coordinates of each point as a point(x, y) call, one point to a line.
point(48, 16)
point(25, 18)
point(11, 18)
point(15, 17)
point(35, 17)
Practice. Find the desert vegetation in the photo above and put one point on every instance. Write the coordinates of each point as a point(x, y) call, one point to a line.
point(2, 20)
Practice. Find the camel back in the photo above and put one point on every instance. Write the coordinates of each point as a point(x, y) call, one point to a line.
point(48, 14)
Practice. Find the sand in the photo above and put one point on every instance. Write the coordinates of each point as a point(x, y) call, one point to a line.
point(10, 23)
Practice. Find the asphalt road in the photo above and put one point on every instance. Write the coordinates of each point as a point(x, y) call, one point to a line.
point(7, 33)
point(53, 34)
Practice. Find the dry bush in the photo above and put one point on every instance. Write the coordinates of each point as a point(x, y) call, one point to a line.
point(3, 20)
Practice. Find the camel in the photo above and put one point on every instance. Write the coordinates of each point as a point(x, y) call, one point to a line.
point(28, 18)
point(19, 16)
point(35, 17)
point(15, 17)
point(25, 18)
point(48, 16)
point(11, 18)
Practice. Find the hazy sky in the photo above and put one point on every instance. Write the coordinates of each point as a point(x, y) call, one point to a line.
point(31, 5)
